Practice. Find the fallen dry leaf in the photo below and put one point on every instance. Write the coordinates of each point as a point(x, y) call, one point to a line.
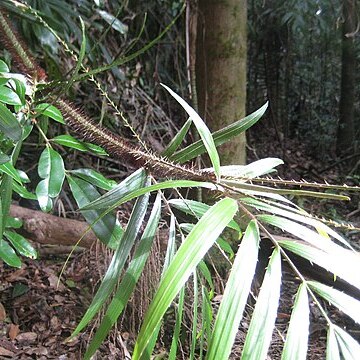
point(14, 331)
point(2, 312)
point(6, 353)
point(26, 337)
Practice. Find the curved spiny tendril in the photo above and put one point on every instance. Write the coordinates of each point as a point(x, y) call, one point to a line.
point(18, 49)
point(124, 150)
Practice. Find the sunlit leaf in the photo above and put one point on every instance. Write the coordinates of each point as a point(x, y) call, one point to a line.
point(4, 158)
point(202, 129)
point(296, 343)
point(342, 263)
point(23, 192)
point(8, 168)
point(3, 67)
point(255, 169)
point(332, 347)
point(235, 296)
point(42, 194)
point(51, 167)
point(14, 223)
point(263, 319)
point(197, 209)
point(220, 137)
point(294, 214)
point(191, 251)
point(348, 346)
point(8, 96)
point(342, 301)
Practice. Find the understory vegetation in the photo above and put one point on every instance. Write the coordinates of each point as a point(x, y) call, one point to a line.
point(81, 130)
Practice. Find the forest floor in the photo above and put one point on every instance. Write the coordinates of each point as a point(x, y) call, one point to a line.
point(39, 310)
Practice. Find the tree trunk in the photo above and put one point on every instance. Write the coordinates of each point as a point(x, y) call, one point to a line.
point(49, 229)
point(221, 70)
point(345, 135)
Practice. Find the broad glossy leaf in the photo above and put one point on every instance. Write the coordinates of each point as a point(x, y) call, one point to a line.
point(22, 246)
point(220, 136)
point(296, 343)
point(8, 168)
point(94, 178)
point(342, 301)
point(51, 111)
point(191, 251)
point(128, 283)
point(8, 255)
point(42, 195)
point(14, 223)
point(106, 227)
point(203, 131)
point(23, 192)
point(51, 167)
point(263, 319)
point(117, 263)
point(8, 96)
point(235, 296)
point(9, 125)
point(23, 176)
point(71, 142)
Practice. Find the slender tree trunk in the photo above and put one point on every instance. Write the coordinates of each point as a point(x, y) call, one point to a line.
point(345, 135)
point(221, 69)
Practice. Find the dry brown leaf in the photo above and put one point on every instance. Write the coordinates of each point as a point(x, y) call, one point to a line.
point(2, 312)
point(27, 337)
point(14, 331)
point(6, 353)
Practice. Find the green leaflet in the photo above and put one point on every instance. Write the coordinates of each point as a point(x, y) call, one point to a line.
point(192, 250)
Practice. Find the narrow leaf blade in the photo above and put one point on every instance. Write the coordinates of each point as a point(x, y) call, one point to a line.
point(263, 320)
point(183, 264)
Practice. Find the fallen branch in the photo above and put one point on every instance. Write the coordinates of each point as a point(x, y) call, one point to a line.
point(49, 229)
